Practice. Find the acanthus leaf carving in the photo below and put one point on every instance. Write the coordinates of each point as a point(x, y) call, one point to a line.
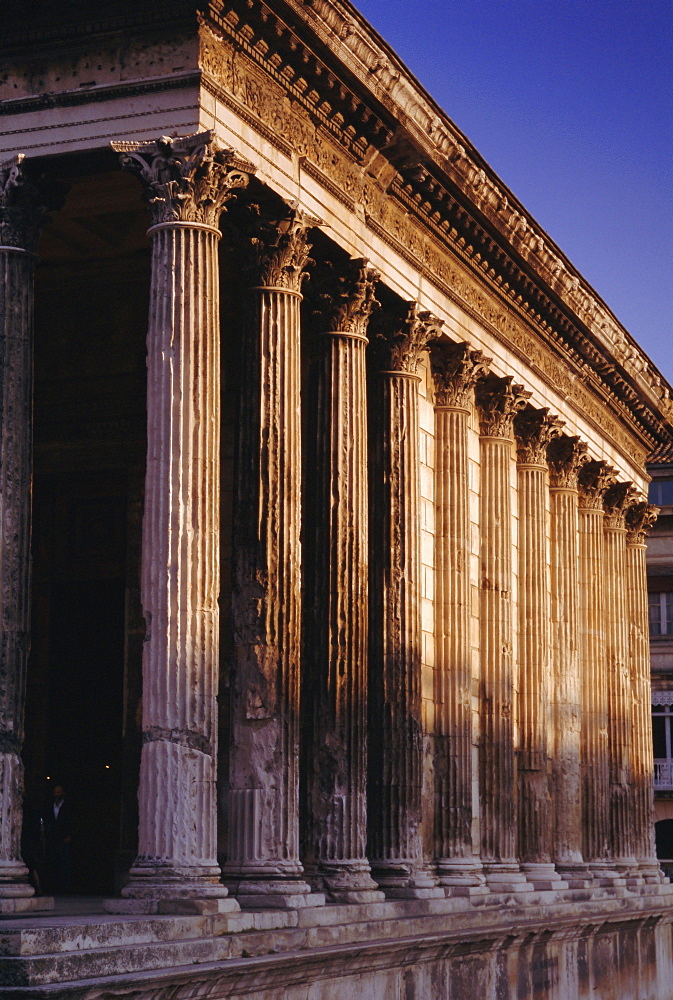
point(534, 429)
point(594, 479)
point(347, 297)
point(25, 202)
point(186, 179)
point(279, 248)
point(616, 501)
point(566, 455)
point(399, 347)
point(498, 401)
point(456, 369)
point(640, 517)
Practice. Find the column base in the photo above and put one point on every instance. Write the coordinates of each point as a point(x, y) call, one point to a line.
point(25, 904)
point(650, 870)
point(505, 876)
point(349, 882)
point(405, 880)
point(157, 888)
point(629, 869)
point(576, 873)
point(543, 875)
point(605, 874)
point(271, 890)
point(461, 877)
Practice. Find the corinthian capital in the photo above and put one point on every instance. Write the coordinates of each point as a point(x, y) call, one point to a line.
point(24, 204)
point(616, 501)
point(455, 370)
point(594, 479)
point(534, 429)
point(498, 402)
point(640, 517)
point(280, 249)
point(187, 178)
point(398, 348)
point(566, 456)
point(346, 299)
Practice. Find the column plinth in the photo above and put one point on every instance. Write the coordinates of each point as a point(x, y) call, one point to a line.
point(22, 211)
point(263, 866)
point(497, 401)
point(534, 430)
point(566, 456)
point(456, 369)
point(639, 518)
point(187, 183)
point(336, 636)
point(594, 479)
point(396, 757)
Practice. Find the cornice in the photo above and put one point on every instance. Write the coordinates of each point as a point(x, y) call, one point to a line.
point(360, 93)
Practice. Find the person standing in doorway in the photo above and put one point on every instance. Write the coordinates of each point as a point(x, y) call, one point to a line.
point(58, 828)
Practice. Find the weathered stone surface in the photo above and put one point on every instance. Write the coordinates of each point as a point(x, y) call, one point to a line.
point(497, 401)
point(335, 650)
point(186, 183)
point(456, 369)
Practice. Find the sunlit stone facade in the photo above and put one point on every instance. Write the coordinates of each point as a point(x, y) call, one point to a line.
point(385, 688)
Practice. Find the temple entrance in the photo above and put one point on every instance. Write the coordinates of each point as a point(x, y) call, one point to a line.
point(84, 676)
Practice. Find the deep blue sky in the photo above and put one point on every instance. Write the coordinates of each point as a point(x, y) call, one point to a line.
point(571, 102)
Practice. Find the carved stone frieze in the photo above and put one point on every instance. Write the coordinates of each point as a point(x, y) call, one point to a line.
point(418, 217)
point(187, 178)
point(498, 401)
point(534, 430)
point(456, 369)
point(566, 455)
point(346, 298)
point(594, 479)
point(640, 517)
point(399, 348)
point(279, 250)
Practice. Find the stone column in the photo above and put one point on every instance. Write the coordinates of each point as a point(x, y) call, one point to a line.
point(455, 368)
point(566, 456)
point(639, 519)
point(22, 210)
point(396, 753)
point(594, 479)
point(263, 866)
point(187, 183)
point(615, 503)
point(498, 401)
point(335, 669)
point(534, 430)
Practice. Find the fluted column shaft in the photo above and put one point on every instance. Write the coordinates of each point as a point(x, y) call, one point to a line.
point(497, 777)
point(180, 538)
point(16, 363)
point(534, 429)
point(639, 518)
point(21, 212)
point(337, 628)
point(263, 866)
point(566, 454)
point(396, 756)
point(619, 681)
point(594, 479)
point(455, 371)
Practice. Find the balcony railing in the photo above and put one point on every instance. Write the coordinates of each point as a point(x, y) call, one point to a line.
point(663, 774)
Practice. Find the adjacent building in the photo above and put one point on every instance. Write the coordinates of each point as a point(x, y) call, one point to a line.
point(333, 472)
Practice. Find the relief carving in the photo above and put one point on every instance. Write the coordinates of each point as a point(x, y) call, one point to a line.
point(346, 298)
point(186, 178)
point(456, 368)
point(594, 479)
point(24, 204)
point(534, 430)
point(566, 456)
point(616, 501)
point(498, 401)
point(640, 517)
point(399, 348)
point(279, 249)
